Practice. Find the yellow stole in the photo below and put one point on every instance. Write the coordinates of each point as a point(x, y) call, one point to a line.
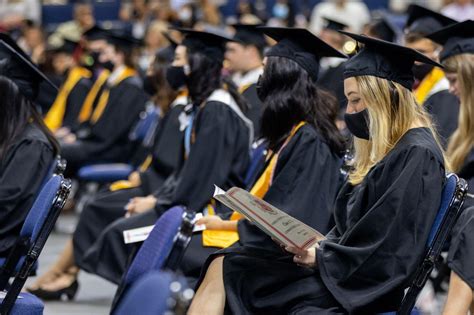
point(104, 97)
point(244, 88)
point(87, 107)
point(223, 239)
point(427, 84)
point(55, 116)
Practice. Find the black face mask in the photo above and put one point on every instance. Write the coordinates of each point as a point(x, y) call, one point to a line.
point(261, 92)
point(109, 65)
point(176, 77)
point(421, 71)
point(358, 124)
point(149, 85)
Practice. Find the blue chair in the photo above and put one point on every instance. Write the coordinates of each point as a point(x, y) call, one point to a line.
point(156, 293)
point(452, 199)
point(33, 235)
point(110, 172)
point(163, 249)
point(258, 154)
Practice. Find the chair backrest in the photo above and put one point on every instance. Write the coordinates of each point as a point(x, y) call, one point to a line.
point(37, 228)
point(257, 155)
point(452, 199)
point(147, 120)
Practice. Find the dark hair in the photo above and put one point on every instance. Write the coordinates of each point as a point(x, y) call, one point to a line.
point(289, 96)
point(16, 111)
point(206, 77)
point(412, 37)
point(165, 94)
point(129, 55)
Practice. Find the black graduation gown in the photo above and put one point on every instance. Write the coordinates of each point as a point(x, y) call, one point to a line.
point(444, 109)
point(107, 140)
point(461, 250)
point(332, 80)
point(75, 100)
point(219, 155)
point(305, 165)
point(254, 113)
point(108, 206)
point(22, 171)
point(382, 226)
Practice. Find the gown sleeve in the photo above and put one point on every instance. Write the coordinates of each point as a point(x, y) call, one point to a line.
point(21, 175)
point(219, 139)
point(375, 257)
point(304, 165)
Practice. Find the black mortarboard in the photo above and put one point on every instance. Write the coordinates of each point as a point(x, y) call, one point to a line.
point(122, 40)
point(301, 46)
point(96, 33)
point(68, 47)
point(383, 29)
point(209, 44)
point(425, 21)
point(249, 34)
point(167, 53)
point(18, 67)
point(334, 25)
point(456, 39)
point(383, 59)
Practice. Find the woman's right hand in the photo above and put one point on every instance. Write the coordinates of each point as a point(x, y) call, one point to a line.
point(304, 258)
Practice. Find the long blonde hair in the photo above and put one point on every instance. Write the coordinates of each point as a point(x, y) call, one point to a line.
point(392, 111)
point(462, 141)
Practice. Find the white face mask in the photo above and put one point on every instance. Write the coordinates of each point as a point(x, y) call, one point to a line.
point(185, 14)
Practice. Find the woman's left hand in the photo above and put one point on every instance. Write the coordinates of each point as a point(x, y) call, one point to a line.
point(305, 258)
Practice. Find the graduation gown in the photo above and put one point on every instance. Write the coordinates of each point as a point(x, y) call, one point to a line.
point(219, 155)
point(75, 101)
point(108, 206)
point(22, 171)
point(107, 139)
point(461, 250)
point(305, 165)
point(382, 226)
point(444, 109)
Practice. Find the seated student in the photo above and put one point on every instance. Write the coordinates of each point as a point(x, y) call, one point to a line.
point(216, 150)
point(244, 60)
point(27, 147)
point(431, 87)
point(108, 204)
point(370, 255)
point(457, 58)
point(304, 150)
point(117, 110)
point(64, 113)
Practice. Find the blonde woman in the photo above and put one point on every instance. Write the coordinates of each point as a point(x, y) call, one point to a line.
point(458, 60)
point(383, 214)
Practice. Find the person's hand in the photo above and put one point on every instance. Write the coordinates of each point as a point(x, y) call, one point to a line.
point(70, 138)
point(62, 132)
point(140, 204)
point(304, 258)
point(134, 179)
point(212, 222)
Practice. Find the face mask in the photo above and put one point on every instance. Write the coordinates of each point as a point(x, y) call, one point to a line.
point(176, 77)
point(260, 90)
point(149, 85)
point(280, 11)
point(421, 71)
point(109, 65)
point(358, 124)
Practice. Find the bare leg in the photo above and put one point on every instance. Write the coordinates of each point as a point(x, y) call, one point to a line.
point(64, 264)
point(460, 297)
point(210, 297)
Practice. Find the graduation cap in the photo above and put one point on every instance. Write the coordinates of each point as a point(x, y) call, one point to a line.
point(249, 34)
point(18, 67)
point(334, 25)
point(384, 29)
point(385, 60)
point(123, 40)
point(167, 53)
point(210, 44)
point(456, 39)
point(301, 46)
point(96, 33)
point(424, 21)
